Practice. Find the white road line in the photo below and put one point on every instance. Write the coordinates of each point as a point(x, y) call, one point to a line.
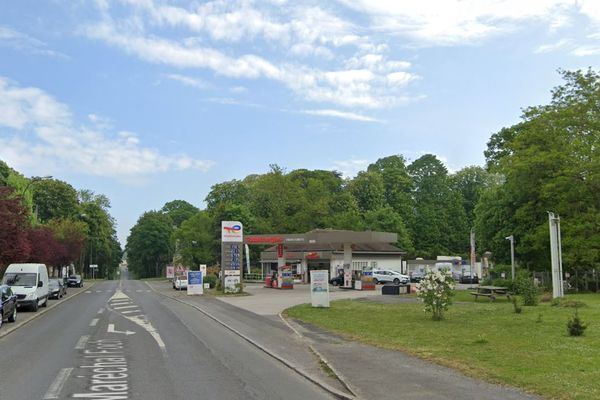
point(82, 342)
point(139, 291)
point(98, 291)
point(100, 311)
point(123, 307)
point(130, 311)
point(88, 291)
point(54, 389)
point(94, 322)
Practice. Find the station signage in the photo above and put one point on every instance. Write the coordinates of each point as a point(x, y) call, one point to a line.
point(170, 271)
point(232, 231)
point(232, 239)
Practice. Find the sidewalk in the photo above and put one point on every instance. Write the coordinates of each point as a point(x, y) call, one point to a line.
point(370, 372)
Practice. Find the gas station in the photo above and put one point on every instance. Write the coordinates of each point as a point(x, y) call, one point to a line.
point(327, 249)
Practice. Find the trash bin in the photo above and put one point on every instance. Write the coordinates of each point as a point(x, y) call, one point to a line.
point(390, 289)
point(268, 281)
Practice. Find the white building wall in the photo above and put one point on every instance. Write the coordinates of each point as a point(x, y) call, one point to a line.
point(393, 263)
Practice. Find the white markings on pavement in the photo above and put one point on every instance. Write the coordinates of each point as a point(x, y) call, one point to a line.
point(109, 380)
point(94, 322)
point(111, 329)
point(123, 307)
point(58, 383)
point(120, 299)
point(100, 311)
point(82, 342)
point(87, 291)
point(98, 291)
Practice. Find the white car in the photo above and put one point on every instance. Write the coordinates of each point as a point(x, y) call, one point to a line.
point(387, 275)
point(180, 283)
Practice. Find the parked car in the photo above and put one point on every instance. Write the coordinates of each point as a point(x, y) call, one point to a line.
point(389, 276)
point(469, 278)
point(8, 304)
point(180, 283)
point(337, 280)
point(29, 282)
point(417, 276)
point(57, 288)
point(75, 281)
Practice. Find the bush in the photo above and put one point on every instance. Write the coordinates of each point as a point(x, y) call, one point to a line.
point(435, 289)
point(211, 280)
point(517, 308)
point(525, 287)
point(575, 325)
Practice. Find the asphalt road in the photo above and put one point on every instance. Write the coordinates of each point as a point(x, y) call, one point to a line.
point(120, 340)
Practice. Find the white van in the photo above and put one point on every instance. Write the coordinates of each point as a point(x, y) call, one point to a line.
point(29, 282)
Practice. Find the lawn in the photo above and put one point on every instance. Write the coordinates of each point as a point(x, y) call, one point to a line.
point(531, 350)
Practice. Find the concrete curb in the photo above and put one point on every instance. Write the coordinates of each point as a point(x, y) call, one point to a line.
point(287, 363)
point(39, 313)
point(340, 377)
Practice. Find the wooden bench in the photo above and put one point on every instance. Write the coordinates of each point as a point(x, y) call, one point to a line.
point(490, 295)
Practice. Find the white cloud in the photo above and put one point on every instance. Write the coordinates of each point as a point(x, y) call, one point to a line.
point(37, 130)
point(341, 114)
point(350, 87)
point(188, 81)
point(548, 48)
point(350, 168)
point(26, 43)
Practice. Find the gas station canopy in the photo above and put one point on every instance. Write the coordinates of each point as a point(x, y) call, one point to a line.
point(324, 236)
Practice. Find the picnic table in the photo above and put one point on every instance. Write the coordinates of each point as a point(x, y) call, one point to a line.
point(491, 292)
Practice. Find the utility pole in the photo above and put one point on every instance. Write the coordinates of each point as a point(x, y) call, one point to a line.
point(512, 255)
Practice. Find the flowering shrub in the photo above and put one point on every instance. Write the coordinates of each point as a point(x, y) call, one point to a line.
point(435, 290)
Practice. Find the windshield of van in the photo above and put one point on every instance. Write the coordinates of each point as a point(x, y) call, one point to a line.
point(20, 279)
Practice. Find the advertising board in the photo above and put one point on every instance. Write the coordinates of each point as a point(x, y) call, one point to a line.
point(195, 282)
point(319, 288)
point(170, 271)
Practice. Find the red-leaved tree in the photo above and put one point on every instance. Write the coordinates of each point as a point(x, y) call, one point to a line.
point(14, 243)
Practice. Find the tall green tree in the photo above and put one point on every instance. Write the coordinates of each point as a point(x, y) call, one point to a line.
point(551, 161)
point(149, 244)
point(440, 224)
point(368, 189)
point(179, 211)
point(195, 240)
point(54, 199)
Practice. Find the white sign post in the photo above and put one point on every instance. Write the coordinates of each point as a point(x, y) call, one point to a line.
point(556, 255)
point(319, 288)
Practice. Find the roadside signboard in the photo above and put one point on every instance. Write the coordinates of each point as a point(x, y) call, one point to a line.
point(170, 271)
point(232, 239)
point(195, 282)
point(93, 266)
point(319, 288)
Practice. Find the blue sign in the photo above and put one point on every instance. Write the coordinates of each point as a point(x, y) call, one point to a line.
point(195, 278)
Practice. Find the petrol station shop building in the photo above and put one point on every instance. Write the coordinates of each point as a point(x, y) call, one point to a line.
point(328, 249)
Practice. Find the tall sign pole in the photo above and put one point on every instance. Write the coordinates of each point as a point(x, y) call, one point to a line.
point(232, 241)
point(555, 255)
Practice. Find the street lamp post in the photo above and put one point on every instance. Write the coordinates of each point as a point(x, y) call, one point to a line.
point(512, 255)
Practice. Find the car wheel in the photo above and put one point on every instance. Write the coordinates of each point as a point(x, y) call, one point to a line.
point(45, 303)
point(34, 307)
point(334, 283)
point(13, 316)
point(396, 281)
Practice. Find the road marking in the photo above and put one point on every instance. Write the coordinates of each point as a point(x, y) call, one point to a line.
point(111, 329)
point(54, 389)
point(88, 291)
point(94, 322)
point(130, 312)
point(100, 311)
point(139, 291)
point(82, 342)
point(139, 320)
point(123, 307)
point(98, 291)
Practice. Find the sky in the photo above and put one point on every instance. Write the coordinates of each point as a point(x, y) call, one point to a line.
point(148, 101)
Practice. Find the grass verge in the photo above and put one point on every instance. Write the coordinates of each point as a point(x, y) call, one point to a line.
point(486, 340)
